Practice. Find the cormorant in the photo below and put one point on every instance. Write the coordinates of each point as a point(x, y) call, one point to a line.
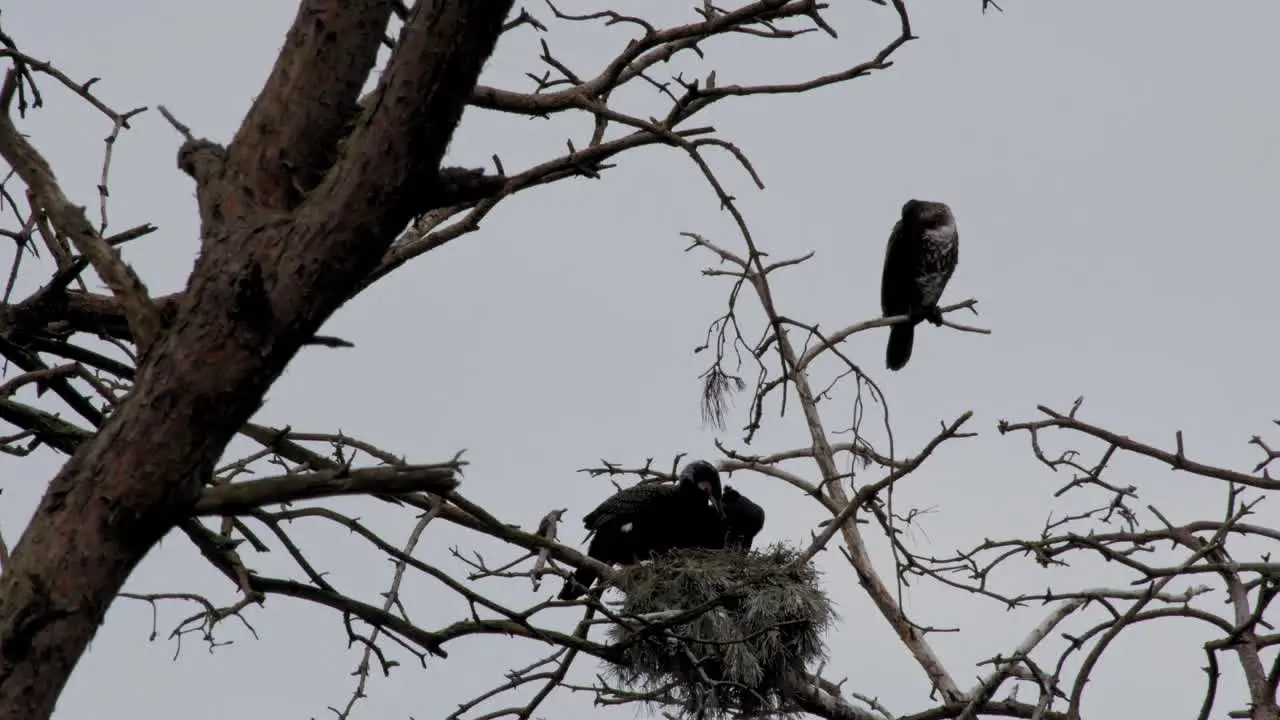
point(650, 519)
point(924, 248)
point(743, 519)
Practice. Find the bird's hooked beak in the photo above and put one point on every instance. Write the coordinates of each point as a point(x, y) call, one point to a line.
point(715, 500)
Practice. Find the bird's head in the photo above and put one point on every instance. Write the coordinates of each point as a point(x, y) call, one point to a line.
point(703, 476)
point(927, 213)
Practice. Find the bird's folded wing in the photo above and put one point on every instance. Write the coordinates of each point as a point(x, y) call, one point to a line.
point(624, 502)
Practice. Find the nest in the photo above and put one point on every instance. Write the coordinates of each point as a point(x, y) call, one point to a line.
point(742, 656)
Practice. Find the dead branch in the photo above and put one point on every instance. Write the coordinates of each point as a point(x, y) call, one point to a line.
point(1175, 459)
point(241, 497)
point(144, 318)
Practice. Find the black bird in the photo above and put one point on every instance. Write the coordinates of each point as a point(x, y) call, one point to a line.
point(924, 248)
point(645, 520)
point(743, 519)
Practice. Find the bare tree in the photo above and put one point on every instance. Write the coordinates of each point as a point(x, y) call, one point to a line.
point(319, 195)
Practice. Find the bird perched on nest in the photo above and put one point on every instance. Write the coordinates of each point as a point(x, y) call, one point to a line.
point(651, 519)
point(743, 519)
point(924, 248)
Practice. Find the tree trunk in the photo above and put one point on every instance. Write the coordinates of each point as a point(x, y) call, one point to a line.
point(291, 227)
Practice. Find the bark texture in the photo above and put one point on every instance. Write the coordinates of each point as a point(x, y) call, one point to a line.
point(291, 227)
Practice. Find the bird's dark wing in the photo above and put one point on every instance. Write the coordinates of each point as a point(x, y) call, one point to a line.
point(744, 518)
point(897, 282)
point(626, 502)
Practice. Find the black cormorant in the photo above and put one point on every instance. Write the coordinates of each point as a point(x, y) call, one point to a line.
point(743, 519)
point(653, 518)
point(924, 248)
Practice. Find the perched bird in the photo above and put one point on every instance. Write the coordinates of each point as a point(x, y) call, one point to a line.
point(743, 519)
point(645, 520)
point(924, 248)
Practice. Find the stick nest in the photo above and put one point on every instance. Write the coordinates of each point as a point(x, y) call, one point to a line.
point(742, 656)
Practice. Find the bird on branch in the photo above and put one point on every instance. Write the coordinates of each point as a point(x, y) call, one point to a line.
point(743, 519)
point(923, 250)
point(651, 519)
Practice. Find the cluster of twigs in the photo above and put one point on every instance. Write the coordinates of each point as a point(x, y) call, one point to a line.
point(70, 356)
point(764, 630)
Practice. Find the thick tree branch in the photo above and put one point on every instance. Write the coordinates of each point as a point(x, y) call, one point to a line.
point(49, 429)
point(818, 701)
point(392, 158)
point(204, 161)
point(289, 138)
point(242, 497)
point(77, 311)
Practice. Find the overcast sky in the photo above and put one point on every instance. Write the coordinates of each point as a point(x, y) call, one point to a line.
point(1112, 170)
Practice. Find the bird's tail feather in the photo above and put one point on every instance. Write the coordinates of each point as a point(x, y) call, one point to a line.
point(901, 337)
point(578, 585)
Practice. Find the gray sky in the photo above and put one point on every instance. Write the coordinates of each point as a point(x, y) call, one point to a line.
point(1110, 166)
